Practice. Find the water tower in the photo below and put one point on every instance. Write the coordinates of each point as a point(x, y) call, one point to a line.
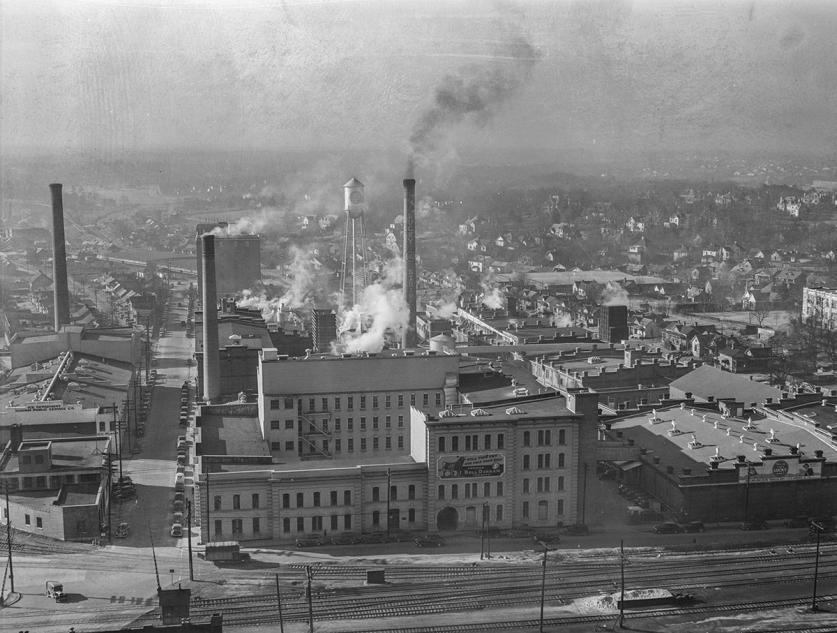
point(353, 279)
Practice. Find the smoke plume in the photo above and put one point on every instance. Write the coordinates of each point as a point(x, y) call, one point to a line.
point(492, 296)
point(614, 294)
point(473, 95)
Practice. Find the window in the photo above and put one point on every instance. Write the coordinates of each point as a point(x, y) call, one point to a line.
point(275, 425)
point(388, 443)
point(441, 444)
point(325, 404)
point(39, 522)
point(547, 460)
point(325, 426)
point(363, 443)
point(547, 437)
point(388, 421)
point(525, 486)
point(454, 491)
point(425, 399)
point(387, 401)
point(438, 399)
point(411, 492)
point(350, 424)
point(333, 497)
point(400, 400)
point(351, 444)
point(374, 443)
point(276, 446)
point(256, 525)
point(499, 488)
point(299, 500)
point(486, 489)
point(467, 442)
point(411, 515)
point(316, 499)
point(311, 405)
point(289, 424)
point(540, 437)
point(286, 525)
point(376, 493)
point(40, 482)
point(337, 403)
point(337, 445)
point(560, 483)
point(218, 529)
point(376, 518)
point(412, 399)
point(400, 442)
point(543, 510)
point(236, 502)
point(237, 526)
point(467, 491)
point(289, 403)
point(560, 506)
point(316, 523)
point(454, 443)
point(289, 446)
point(274, 404)
point(27, 459)
point(500, 440)
point(525, 462)
point(347, 521)
point(217, 502)
point(363, 402)
point(560, 460)
point(525, 511)
point(255, 501)
point(347, 497)
point(336, 424)
point(540, 460)
point(300, 524)
point(325, 446)
point(350, 402)
point(441, 492)
point(499, 512)
point(393, 493)
point(27, 519)
point(27, 482)
point(400, 421)
point(374, 402)
point(334, 527)
point(487, 442)
point(286, 500)
point(375, 423)
point(526, 438)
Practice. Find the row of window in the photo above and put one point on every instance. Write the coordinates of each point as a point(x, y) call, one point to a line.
point(544, 437)
point(236, 502)
point(544, 460)
point(337, 402)
point(543, 509)
point(470, 490)
point(237, 527)
point(334, 496)
point(471, 442)
point(542, 484)
point(54, 481)
point(278, 425)
point(290, 445)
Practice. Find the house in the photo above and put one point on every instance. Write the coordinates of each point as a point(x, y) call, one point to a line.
point(738, 358)
point(673, 222)
point(476, 246)
point(679, 337)
point(635, 225)
point(650, 327)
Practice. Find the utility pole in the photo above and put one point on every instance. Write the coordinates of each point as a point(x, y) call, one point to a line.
point(189, 537)
point(208, 531)
point(279, 606)
point(310, 601)
point(389, 496)
point(9, 538)
point(622, 570)
point(543, 583)
point(482, 538)
point(110, 494)
point(118, 442)
point(584, 496)
point(819, 528)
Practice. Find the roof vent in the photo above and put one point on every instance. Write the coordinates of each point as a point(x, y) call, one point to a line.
point(479, 412)
point(448, 413)
point(514, 411)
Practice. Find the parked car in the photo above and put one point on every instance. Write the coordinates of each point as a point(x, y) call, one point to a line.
point(177, 530)
point(694, 526)
point(313, 540)
point(121, 530)
point(55, 590)
point(755, 524)
point(429, 540)
point(667, 528)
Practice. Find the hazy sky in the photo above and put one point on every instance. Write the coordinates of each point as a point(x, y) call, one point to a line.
point(112, 77)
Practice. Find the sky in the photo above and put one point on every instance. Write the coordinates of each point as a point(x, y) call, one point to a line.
point(422, 77)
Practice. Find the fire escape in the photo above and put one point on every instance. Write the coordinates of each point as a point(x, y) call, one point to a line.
point(315, 434)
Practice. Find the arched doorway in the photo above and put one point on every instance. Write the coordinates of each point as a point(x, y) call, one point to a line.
point(447, 520)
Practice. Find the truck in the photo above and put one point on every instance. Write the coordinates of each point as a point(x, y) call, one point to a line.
point(226, 551)
point(55, 590)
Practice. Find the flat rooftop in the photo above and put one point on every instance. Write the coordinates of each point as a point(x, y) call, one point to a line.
point(230, 435)
point(67, 454)
point(669, 436)
point(545, 407)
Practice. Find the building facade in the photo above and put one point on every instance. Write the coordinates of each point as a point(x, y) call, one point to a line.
point(819, 307)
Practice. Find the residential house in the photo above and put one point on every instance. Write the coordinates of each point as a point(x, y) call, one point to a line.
point(743, 358)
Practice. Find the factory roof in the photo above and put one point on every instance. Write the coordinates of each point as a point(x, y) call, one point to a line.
point(545, 406)
point(707, 382)
point(231, 435)
point(688, 438)
point(65, 453)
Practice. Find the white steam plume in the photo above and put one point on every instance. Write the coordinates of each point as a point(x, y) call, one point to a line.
point(614, 294)
point(492, 295)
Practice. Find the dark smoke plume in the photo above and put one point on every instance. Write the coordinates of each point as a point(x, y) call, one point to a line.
point(473, 94)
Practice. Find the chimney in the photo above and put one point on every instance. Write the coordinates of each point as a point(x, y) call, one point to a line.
point(61, 291)
point(409, 337)
point(211, 369)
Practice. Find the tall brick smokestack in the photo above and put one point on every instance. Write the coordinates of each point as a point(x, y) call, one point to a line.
point(61, 290)
point(408, 338)
point(211, 368)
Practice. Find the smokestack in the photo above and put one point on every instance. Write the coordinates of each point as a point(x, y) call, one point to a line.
point(409, 336)
point(61, 292)
point(211, 369)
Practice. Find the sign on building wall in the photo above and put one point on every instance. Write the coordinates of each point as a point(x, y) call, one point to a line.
point(780, 470)
point(482, 465)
